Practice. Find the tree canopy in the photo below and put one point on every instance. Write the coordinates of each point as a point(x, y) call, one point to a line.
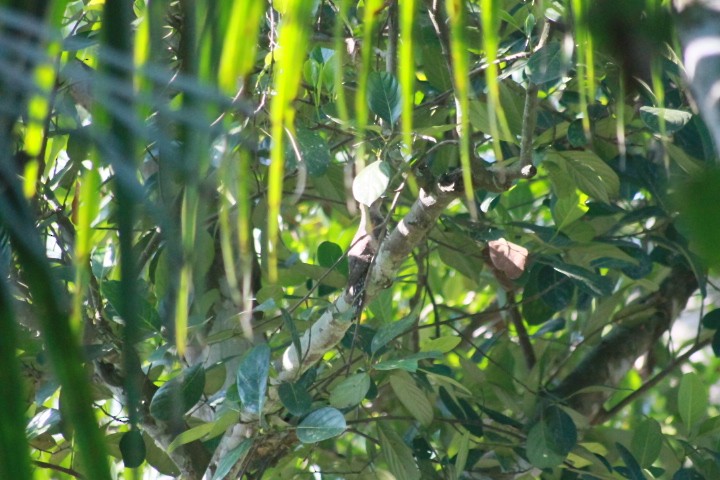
point(377, 239)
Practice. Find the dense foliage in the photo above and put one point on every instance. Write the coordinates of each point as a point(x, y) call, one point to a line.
point(357, 239)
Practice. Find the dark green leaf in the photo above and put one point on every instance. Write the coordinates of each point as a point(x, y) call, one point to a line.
point(554, 325)
point(633, 468)
point(576, 134)
point(500, 418)
point(558, 290)
point(328, 253)
point(149, 319)
point(132, 448)
point(535, 310)
point(552, 438)
point(687, 474)
point(252, 376)
point(295, 398)
point(384, 96)
point(548, 63)
point(711, 319)
point(716, 343)
point(178, 395)
point(360, 337)
point(562, 429)
point(324, 423)
point(313, 149)
point(389, 331)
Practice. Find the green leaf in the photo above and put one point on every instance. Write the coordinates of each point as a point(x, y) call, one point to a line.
point(558, 289)
point(324, 423)
point(149, 319)
point(568, 209)
point(692, 399)
point(350, 391)
point(313, 149)
point(441, 344)
point(409, 363)
point(698, 199)
point(412, 397)
point(674, 119)
point(594, 283)
point(371, 183)
point(552, 438)
point(389, 331)
point(190, 435)
point(132, 448)
point(397, 453)
point(647, 442)
point(228, 461)
point(548, 63)
point(252, 376)
point(716, 343)
point(711, 319)
point(576, 134)
point(178, 395)
point(537, 449)
point(634, 472)
point(535, 311)
point(589, 172)
point(328, 253)
point(295, 398)
point(384, 96)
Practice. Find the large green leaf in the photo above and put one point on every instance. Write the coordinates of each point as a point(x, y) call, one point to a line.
point(178, 395)
point(350, 391)
point(384, 96)
point(692, 399)
point(412, 397)
point(397, 453)
point(312, 149)
point(252, 377)
point(552, 438)
point(324, 423)
point(634, 471)
point(132, 448)
point(548, 64)
point(589, 172)
point(647, 442)
point(389, 331)
point(295, 398)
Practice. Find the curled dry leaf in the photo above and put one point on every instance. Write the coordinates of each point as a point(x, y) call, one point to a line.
point(508, 257)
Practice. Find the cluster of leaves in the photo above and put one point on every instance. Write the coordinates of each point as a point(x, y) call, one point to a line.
point(189, 191)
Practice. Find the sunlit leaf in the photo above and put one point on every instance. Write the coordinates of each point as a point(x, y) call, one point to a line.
point(252, 377)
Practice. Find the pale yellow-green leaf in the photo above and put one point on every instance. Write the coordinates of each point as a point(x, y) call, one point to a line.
point(441, 344)
point(412, 397)
point(397, 453)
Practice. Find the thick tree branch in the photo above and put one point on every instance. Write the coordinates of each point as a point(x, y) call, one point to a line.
point(611, 360)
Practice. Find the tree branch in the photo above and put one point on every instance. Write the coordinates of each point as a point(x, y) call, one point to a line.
point(614, 356)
